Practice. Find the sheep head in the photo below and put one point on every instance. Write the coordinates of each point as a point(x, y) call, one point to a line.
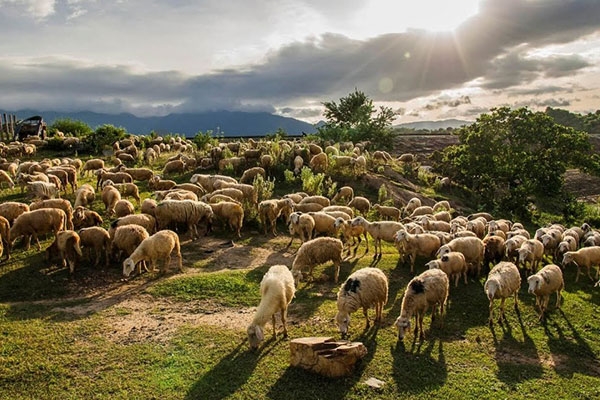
point(403, 325)
point(491, 287)
point(128, 266)
point(568, 258)
point(255, 336)
point(523, 254)
point(433, 264)
point(535, 283)
point(297, 277)
point(342, 319)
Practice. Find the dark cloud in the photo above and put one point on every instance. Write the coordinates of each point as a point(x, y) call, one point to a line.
point(447, 102)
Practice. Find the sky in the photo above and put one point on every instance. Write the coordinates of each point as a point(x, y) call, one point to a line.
point(426, 59)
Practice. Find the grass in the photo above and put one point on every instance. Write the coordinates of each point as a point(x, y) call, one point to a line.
point(49, 352)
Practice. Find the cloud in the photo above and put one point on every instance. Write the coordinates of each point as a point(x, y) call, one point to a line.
point(447, 102)
point(37, 9)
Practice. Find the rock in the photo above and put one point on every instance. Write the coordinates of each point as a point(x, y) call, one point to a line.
point(374, 383)
point(326, 356)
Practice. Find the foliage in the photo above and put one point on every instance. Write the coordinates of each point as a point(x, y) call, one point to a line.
point(280, 134)
point(70, 127)
point(589, 122)
point(312, 183)
point(509, 156)
point(382, 194)
point(264, 187)
point(103, 137)
point(289, 176)
point(353, 120)
point(201, 140)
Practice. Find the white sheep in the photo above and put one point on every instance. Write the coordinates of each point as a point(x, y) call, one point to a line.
point(302, 225)
point(61, 204)
point(531, 251)
point(66, 247)
point(361, 204)
point(84, 195)
point(123, 208)
point(317, 251)
point(231, 213)
point(42, 190)
point(319, 162)
point(585, 257)
point(351, 232)
point(425, 244)
point(471, 247)
point(249, 174)
point(503, 281)
point(379, 230)
point(110, 197)
point(412, 205)
point(37, 222)
point(298, 164)
point(345, 193)
point(387, 212)
point(276, 292)
point(322, 200)
point(546, 281)
point(270, 210)
point(156, 247)
point(192, 214)
point(365, 288)
point(453, 264)
point(5, 178)
point(428, 289)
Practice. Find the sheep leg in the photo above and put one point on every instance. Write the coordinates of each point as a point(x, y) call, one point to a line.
point(422, 334)
point(589, 274)
point(491, 317)
point(558, 298)
point(502, 316)
point(283, 321)
point(37, 241)
point(456, 278)
point(337, 272)
point(274, 329)
point(366, 314)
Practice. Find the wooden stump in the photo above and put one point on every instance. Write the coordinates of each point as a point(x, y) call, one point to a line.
point(326, 356)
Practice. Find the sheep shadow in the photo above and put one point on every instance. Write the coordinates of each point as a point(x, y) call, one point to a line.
point(297, 383)
point(419, 370)
point(467, 307)
point(570, 353)
point(517, 360)
point(234, 369)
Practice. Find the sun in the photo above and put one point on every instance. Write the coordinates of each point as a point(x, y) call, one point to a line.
point(431, 15)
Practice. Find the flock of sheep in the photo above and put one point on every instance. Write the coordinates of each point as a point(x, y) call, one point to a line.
point(330, 230)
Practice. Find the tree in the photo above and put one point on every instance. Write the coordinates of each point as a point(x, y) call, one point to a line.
point(355, 119)
point(104, 136)
point(510, 157)
point(70, 127)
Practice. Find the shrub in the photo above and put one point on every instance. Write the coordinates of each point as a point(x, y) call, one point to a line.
point(312, 183)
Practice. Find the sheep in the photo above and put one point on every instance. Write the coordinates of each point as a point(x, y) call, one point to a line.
point(323, 201)
point(359, 165)
point(471, 247)
point(83, 218)
point(296, 197)
point(585, 257)
point(453, 264)
point(511, 247)
point(146, 221)
point(97, 238)
point(487, 216)
point(110, 196)
point(150, 156)
point(126, 189)
point(532, 250)
point(361, 204)
point(345, 193)
point(42, 190)
point(92, 165)
point(250, 193)
point(302, 225)
point(232, 213)
point(308, 207)
point(139, 174)
point(569, 243)
point(387, 212)
point(441, 206)
point(319, 162)
point(235, 194)
point(5, 178)
point(148, 206)
point(317, 251)
point(426, 245)
point(66, 246)
point(434, 225)
point(249, 174)
point(422, 210)
point(179, 195)
point(266, 162)
point(37, 222)
point(172, 167)
point(187, 212)
point(276, 292)
point(5, 242)
point(407, 158)
point(324, 223)
point(545, 282)
point(126, 238)
point(412, 205)
point(516, 232)
point(123, 208)
point(477, 226)
point(153, 248)
point(12, 209)
point(62, 204)
point(342, 161)
point(379, 230)
point(270, 210)
point(115, 177)
point(428, 289)
point(84, 195)
point(365, 288)
point(503, 281)
point(351, 232)
point(346, 210)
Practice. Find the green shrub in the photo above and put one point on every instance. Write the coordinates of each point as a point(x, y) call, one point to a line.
point(312, 183)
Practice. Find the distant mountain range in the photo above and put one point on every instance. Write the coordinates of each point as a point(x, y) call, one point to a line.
point(434, 125)
point(226, 123)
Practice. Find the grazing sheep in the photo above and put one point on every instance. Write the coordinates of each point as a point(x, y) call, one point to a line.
point(321, 200)
point(236, 163)
point(156, 183)
point(428, 289)
point(250, 193)
point(585, 257)
point(270, 210)
point(235, 194)
point(12, 209)
point(42, 190)
point(276, 292)
point(4, 178)
point(61, 204)
point(359, 165)
point(83, 218)
point(178, 194)
point(190, 213)
point(422, 210)
point(148, 222)
point(232, 213)
point(345, 194)
point(388, 212)
point(487, 216)
point(37, 222)
point(84, 195)
point(412, 205)
point(434, 225)
point(308, 207)
point(379, 230)
point(156, 247)
point(92, 165)
point(317, 251)
point(5, 241)
point(123, 208)
point(174, 167)
point(531, 251)
point(324, 223)
point(115, 177)
point(351, 232)
point(345, 209)
point(66, 246)
point(471, 247)
point(302, 225)
point(319, 162)
point(296, 197)
point(139, 174)
point(361, 204)
point(425, 244)
point(441, 205)
point(365, 288)
point(503, 281)
point(148, 206)
point(126, 189)
point(548, 280)
point(110, 196)
point(126, 238)
point(98, 239)
point(453, 264)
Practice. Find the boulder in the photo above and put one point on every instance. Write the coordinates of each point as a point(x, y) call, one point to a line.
point(326, 356)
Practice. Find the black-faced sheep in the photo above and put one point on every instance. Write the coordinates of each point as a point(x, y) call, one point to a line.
point(276, 292)
point(546, 281)
point(156, 247)
point(317, 251)
point(428, 289)
point(503, 281)
point(365, 288)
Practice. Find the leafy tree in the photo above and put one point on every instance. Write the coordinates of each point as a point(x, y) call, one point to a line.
point(510, 157)
point(70, 127)
point(356, 119)
point(103, 137)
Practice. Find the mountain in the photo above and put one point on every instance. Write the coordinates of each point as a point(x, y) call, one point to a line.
point(226, 123)
point(434, 125)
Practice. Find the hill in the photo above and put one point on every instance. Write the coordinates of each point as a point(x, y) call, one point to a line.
point(227, 123)
point(434, 125)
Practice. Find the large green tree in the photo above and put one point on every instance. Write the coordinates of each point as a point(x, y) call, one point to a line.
point(70, 127)
point(356, 119)
point(508, 158)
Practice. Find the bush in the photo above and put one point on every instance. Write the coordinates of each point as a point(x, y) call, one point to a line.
point(311, 183)
point(264, 187)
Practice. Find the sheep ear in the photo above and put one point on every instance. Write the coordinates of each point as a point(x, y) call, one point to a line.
point(259, 334)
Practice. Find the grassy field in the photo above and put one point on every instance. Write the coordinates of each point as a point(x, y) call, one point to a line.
point(183, 336)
